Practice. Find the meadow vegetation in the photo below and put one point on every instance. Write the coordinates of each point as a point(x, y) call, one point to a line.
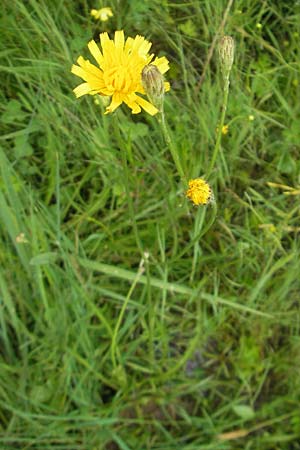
point(125, 323)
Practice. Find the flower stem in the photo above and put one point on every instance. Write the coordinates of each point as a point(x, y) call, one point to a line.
point(126, 177)
point(115, 354)
point(162, 121)
point(221, 124)
point(199, 230)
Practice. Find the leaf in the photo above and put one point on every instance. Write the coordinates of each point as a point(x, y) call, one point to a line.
point(244, 412)
point(13, 112)
point(22, 146)
point(40, 394)
point(286, 163)
point(118, 189)
point(43, 258)
point(188, 28)
point(135, 130)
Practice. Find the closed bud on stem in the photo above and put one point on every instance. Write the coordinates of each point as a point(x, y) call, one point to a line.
point(153, 83)
point(226, 54)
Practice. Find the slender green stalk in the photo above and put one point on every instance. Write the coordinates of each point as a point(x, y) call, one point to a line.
point(199, 231)
point(162, 121)
point(57, 191)
point(220, 127)
point(124, 152)
point(114, 350)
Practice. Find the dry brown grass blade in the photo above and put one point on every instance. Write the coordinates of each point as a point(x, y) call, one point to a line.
point(233, 435)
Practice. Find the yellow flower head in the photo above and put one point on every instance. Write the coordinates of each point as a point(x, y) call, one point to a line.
point(102, 14)
point(119, 74)
point(225, 129)
point(199, 192)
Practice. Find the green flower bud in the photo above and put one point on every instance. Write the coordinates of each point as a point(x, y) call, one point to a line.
point(153, 83)
point(226, 54)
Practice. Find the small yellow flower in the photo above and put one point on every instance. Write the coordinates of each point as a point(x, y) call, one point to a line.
point(199, 192)
point(102, 14)
point(268, 227)
point(225, 129)
point(251, 117)
point(119, 76)
point(259, 26)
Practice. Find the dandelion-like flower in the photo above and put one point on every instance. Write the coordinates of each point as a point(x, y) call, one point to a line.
point(199, 192)
point(102, 14)
point(119, 74)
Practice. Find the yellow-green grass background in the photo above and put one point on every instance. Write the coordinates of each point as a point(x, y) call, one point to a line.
point(96, 354)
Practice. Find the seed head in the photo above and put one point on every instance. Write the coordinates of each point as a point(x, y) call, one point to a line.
point(153, 83)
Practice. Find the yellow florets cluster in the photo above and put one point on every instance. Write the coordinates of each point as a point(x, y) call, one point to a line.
point(102, 14)
point(118, 73)
point(199, 192)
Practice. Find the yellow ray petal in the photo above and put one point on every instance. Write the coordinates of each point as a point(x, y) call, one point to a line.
point(108, 51)
point(128, 44)
point(141, 46)
point(104, 38)
point(162, 64)
point(90, 68)
point(82, 89)
point(147, 106)
point(115, 102)
point(95, 13)
point(105, 44)
point(119, 39)
point(119, 46)
point(135, 108)
point(95, 51)
point(144, 48)
point(95, 81)
point(149, 59)
point(80, 72)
